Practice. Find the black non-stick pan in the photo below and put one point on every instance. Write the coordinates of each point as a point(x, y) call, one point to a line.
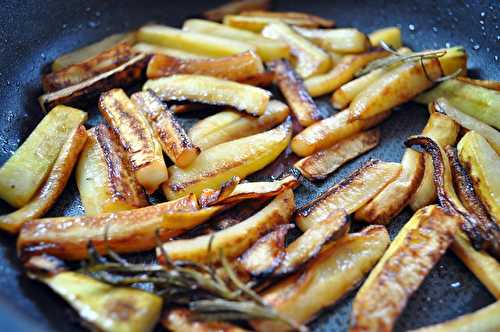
point(34, 32)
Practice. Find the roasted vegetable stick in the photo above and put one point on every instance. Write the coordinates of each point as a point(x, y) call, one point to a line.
point(488, 84)
point(444, 131)
point(347, 92)
point(23, 174)
point(192, 42)
point(173, 138)
point(479, 102)
point(399, 273)
point(220, 163)
point(331, 130)
point(88, 52)
point(393, 199)
point(235, 239)
point(284, 16)
point(267, 49)
point(341, 73)
point(128, 231)
point(155, 49)
point(391, 36)
point(292, 87)
point(350, 194)
point(211, 90)
point(121, 76)
point(105, 307)
point(482, 164)
point(324, 162)
point(310, 59)
point(337, 40)
point(230, 125)
point(263, 80)
point(136, 137)
point(235, 7)
point(105, 180)
point(47, 195)
point(183, 320)
point(338, 269)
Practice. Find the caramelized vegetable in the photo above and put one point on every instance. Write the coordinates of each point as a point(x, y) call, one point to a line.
point(27, 169)
point(488, 84)
point(257, 21)
point(390, 35)
point(182, 320)
point(285, 16)
point(347, 92)
point(156, 49)
point(337, 40)
point(235, 7)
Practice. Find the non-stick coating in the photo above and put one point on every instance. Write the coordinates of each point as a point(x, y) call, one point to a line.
point(34, 32)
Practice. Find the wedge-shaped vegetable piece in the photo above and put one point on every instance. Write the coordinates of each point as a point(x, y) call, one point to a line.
point(236, 239)
point(192, 42)
point(173, 138)
point(121, 76)
point(88, 52)
point(486, 319)
point(347, 92)
point(310, 59)
point(318, 165)
point(104, 177)
point(341, 73)
point(482, 164)
point(220, 163)
point(183, 320)
point(488, 84)
point(128, 231)
point(155, 49)
point(479, 102)
point(410, 257)
point(266, 254)
point(337, 40)
point(267, 49)
point(331, 130)
point(230, 125)
point(349, 194)
point(23, 174)
point(211, 90)
point(395, 87)
point(80, 72)
point(297, 97)
point(136, 136)
point(50, 191)
point(235, 67)
point(235, 7)
point(338, 268)
point(444, 131)
point(105, 307)
point(392, 199)
point(390, 35)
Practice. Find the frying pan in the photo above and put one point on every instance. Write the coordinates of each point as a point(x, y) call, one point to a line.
point(34, 32)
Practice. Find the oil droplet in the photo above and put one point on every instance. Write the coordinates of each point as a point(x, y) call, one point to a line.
point(483, 14)
point(447, 44)
point(476, 47)
point(455, 284)
point(64, 26)
point(481, 22)
point(471, 40)
point(435, 29)
point(87, 9)
point(98, 13)
point(496, 57)
point(92, 24)
point(411, 27)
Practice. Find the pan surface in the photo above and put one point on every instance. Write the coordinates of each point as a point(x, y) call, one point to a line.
point(34, 32)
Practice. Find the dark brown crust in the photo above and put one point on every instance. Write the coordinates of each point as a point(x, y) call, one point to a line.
point(292, 87)
point(262, 80)
point(235, 7)
point(121, 76)
point(212, 197)
point(488, 84)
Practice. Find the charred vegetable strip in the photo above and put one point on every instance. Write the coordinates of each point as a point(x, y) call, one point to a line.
point(23, 174)
point(337, 40)
point(292, 87)
point(104, 177)
point(173, 139)
point(235, 7)
point(350, 194)
point(399, 273)
point(47, 195)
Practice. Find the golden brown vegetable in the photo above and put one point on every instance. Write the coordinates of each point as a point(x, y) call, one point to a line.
point(137, 138)
point(263, 80)
point(347, 92)
point(392, 199)
point(284, 16)
point(331, 130)
point(488, 84)
point(320, 164)
point(50, 191)
point(292, 88)
point(391, 36)
point(338, 269)
point(128, 231)
point(350, 194)
point(236, 239)
point(310, 59)
point(235, 67)
point(26, 170)
point(337, 40)
point(105, 180)
point(173, 138)
point(220, 163)
point(182, 320)
point(235, 7)
point(410, 257)
point(210, 90)
point(230, 125)
point(156, 49)
point(121, 76)
point(342, 72)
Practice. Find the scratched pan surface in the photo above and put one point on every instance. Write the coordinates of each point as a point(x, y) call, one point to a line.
point(34, 32)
